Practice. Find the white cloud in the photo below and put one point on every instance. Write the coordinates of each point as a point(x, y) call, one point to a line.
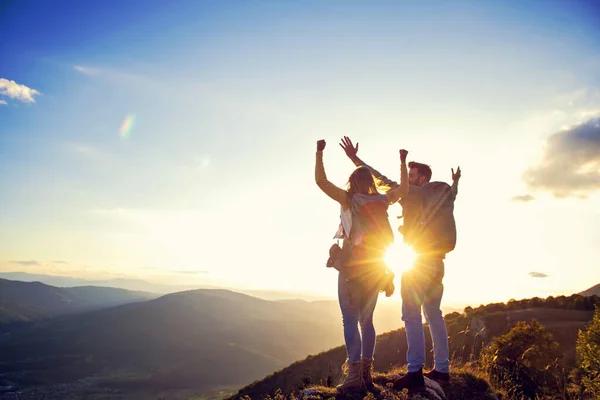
point(16, 91)
point(570, 162)
point(3, 102)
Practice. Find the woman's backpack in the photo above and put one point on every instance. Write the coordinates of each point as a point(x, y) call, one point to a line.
point(367, 235)
point(371, 227)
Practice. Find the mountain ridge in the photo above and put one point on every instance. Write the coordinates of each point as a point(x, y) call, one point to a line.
point(594, 290)
point(201, 338)
point(146, 286)
point(29, 301)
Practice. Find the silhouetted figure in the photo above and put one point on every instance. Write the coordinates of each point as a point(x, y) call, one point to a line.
point(430, 230)
point(362, 272)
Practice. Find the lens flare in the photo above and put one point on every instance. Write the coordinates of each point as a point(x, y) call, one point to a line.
point(126, 125)
point(400, 258)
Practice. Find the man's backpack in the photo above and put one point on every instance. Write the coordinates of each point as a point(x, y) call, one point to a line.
point(432, 228)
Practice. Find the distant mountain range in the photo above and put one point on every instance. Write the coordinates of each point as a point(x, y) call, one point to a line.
point(65, 281)
point(204, 340)
point(32, 301)
point(145, 286)
point(200, 339)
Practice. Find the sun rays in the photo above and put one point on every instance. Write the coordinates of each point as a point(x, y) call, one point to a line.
point(399, 258)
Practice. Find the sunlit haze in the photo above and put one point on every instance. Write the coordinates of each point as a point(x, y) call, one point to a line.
point(176, 144)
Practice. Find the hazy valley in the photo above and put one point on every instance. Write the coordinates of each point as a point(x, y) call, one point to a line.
point(205, 342)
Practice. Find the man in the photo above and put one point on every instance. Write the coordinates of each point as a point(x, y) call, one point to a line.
point(421, 287)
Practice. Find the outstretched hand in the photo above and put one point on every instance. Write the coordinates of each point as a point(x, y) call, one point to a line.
point(403, 154)
point(350, 150)
point(455, 175)
point(321, 145)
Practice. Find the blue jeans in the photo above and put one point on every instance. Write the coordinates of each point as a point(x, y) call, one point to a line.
point(422, 287)
point(357, 303)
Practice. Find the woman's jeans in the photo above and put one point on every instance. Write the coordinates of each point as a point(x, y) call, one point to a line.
point(357, 302)
point(422, 287)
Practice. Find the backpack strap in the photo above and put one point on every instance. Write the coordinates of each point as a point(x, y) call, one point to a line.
point(345, 225)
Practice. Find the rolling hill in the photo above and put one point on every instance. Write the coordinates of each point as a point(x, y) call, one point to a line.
point(33, 301)
point(198, 339)
point(594, 290)
point(387, 314)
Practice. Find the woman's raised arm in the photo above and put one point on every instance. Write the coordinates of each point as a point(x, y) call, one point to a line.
point(336, 193)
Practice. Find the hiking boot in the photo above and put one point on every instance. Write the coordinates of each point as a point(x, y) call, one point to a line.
point(367, 368)
point(441, 377)
point(410, 381)
point(354, 380)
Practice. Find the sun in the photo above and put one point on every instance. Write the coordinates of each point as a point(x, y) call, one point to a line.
point(399, 258)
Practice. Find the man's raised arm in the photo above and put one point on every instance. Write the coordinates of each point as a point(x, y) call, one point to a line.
point(455, 178)
point(352, 153)
point(400, 191)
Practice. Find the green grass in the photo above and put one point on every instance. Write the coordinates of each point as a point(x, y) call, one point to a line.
point(466, 382)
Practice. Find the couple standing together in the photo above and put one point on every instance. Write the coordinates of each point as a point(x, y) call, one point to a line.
point(428, 228)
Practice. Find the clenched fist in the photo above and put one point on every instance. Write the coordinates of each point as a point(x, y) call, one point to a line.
point(321, 145)
point(403, 154)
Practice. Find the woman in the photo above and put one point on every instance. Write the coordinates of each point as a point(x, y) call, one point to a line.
point(358, 297)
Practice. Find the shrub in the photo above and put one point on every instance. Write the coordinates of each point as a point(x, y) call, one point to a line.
point(588, 353)
point(525, 361)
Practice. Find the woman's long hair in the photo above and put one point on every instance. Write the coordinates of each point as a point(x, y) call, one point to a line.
point(361, 182)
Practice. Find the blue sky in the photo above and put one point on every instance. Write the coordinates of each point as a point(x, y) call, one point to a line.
point(215, 176)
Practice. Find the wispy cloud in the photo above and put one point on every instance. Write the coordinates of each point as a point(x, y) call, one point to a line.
point(523, 198)
point(16, 91)
point(26, 263)
point(83, 149)
point(198, 164)
point(535, 274)
point(87, 70)
point(115, 75)
point(3, 102)
point(570, 164)
point(35, 263)
point(573, 97)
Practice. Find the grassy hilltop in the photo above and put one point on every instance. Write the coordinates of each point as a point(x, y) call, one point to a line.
point(503, 351)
